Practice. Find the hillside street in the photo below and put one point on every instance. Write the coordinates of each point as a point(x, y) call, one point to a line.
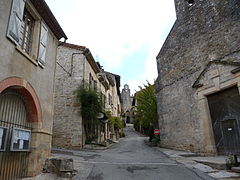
point(130, 159)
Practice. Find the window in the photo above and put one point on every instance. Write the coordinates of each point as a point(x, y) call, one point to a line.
point(27, 31)
point(90, 80)
point(95, 85)
point(190, 2)
point(109, 99)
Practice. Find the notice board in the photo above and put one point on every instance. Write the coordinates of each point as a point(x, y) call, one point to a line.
point(20, 140)
point(3, 138)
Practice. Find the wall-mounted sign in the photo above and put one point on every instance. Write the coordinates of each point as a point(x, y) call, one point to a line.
point(156, 131)
point(3, 138)
point(20, 140)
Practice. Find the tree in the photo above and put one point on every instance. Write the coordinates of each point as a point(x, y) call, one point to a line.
point(146, 108)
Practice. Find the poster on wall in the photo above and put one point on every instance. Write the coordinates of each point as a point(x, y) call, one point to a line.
point(3, 138)
point(20, 140)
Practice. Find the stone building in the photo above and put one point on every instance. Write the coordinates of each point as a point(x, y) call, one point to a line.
point(75, 65)
point(126, 102)
point(29, 39)
point(198, 78)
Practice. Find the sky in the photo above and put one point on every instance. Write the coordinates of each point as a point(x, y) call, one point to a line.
point(125, 36)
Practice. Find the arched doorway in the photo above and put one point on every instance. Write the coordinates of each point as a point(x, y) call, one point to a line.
point(19, 107)
point(14, 162)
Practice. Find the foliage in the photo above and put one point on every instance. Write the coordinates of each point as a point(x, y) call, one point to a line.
point(91, 102)
point(116, 122)
point(146, 108)
point(231, 161)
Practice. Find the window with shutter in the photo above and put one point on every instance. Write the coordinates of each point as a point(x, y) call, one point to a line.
point(27, 31)
point(42, 44)
point(15, 20)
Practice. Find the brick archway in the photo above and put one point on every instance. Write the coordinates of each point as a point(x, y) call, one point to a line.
point(28, 94)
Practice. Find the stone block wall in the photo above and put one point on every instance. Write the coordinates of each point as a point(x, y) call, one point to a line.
point(204, 32)
point(67, 126)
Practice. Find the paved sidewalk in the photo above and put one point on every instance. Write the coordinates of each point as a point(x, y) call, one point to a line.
point(214, 166)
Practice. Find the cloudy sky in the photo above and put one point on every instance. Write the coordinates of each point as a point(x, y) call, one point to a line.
point(125, 36)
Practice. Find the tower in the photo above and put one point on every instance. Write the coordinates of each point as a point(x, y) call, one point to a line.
point(126, 99)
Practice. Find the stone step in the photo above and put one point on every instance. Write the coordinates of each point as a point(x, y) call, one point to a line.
point(236, 169)
point(217, 162)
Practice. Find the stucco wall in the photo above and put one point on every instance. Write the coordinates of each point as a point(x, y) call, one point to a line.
point(206, 31)
point(15, 64)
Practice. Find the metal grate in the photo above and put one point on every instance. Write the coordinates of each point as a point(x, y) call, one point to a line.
point(13, 165)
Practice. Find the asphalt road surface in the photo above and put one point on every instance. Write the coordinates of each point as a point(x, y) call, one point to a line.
point(130, 159)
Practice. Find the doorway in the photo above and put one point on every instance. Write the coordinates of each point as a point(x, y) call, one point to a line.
point(224, 109)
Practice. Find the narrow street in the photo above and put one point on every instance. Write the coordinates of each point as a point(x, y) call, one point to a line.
point(130, 159)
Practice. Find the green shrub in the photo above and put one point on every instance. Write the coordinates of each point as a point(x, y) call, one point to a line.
point(116, 122)
point(91, 102)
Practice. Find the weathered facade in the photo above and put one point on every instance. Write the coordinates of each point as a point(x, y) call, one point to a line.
point(75, 65)
point(200, 58)
point(29, 39)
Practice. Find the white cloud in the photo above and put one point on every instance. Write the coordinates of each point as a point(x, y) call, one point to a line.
point(112, 29)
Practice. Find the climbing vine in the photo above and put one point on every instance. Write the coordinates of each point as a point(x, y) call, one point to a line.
point(91, 104)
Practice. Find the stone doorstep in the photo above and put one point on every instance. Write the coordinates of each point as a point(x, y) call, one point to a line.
point(217, 162)
point(236, 169)
point(204, 168)
point(224, 174)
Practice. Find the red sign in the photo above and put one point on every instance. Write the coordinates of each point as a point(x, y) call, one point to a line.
point(156, 131)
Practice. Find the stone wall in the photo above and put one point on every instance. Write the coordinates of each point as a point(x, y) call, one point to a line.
point(206, 31)
point(67, 125)
point(68, 130)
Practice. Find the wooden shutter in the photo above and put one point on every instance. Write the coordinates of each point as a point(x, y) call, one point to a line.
point(15, 20)
point(42, 44)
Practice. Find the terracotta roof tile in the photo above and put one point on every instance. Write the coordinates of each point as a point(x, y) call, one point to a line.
point(73, 46)
point(43, 9)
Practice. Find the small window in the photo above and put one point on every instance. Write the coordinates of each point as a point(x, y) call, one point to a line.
point(109, 99)
point(95, 85)
point(190, 2)
point(26, 32)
